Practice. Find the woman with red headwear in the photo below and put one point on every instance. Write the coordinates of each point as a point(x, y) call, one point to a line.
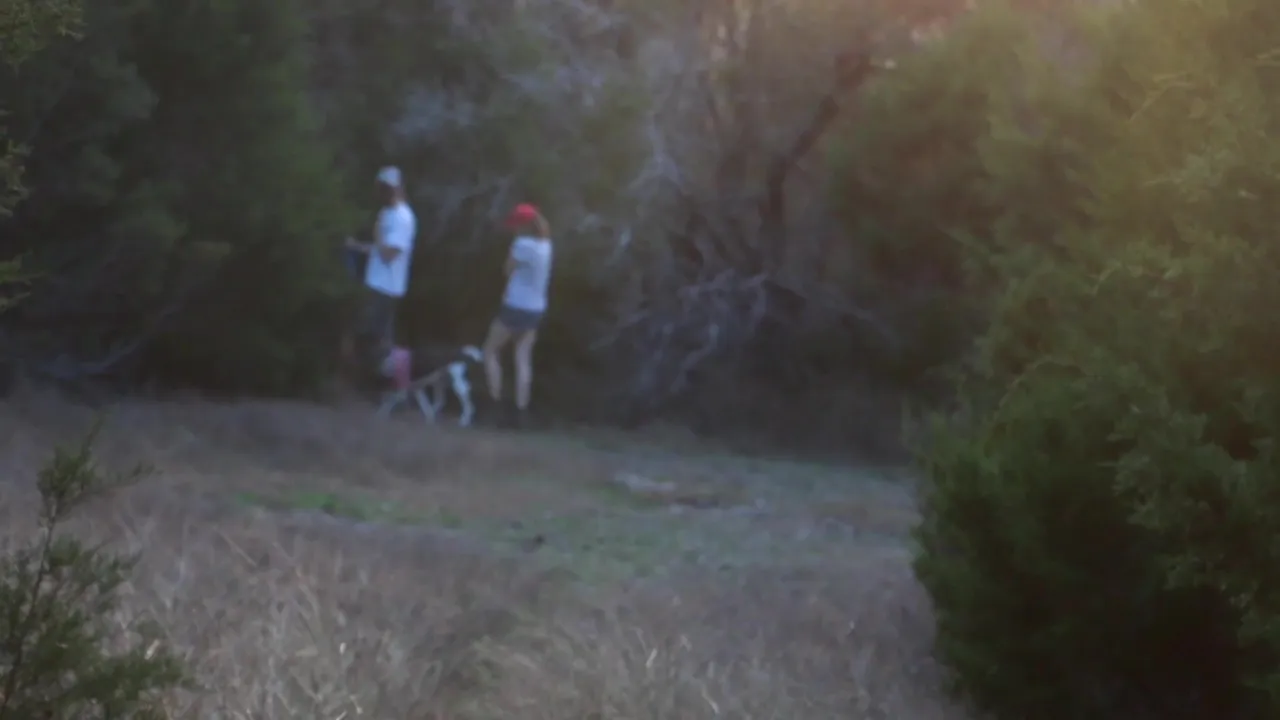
point(528, 270)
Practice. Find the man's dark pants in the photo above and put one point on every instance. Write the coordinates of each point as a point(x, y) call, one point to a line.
point(373, 337)
point(377, 331)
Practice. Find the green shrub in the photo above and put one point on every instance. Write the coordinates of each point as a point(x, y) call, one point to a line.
point(185, 214)
point(1103, 518)
point(26, 29)
point(56, 596)
point(932, 165)
point(1051, 602)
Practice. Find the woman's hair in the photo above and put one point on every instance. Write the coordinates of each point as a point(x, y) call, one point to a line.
point(542, 227)
point(537, 227)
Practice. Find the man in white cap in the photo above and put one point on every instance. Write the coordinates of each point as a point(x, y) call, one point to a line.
point(386, 273)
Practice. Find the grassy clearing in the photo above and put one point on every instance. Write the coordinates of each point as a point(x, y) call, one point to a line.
point(634, 526)
point(312, 562)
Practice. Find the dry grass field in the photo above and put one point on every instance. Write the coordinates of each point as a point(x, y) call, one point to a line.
point(313, 562)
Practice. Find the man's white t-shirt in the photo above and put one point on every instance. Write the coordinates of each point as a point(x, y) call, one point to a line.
point(527, 285)
point(396, 227)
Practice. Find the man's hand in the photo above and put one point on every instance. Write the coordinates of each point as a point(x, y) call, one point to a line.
point(354, 244)
point(388, 253)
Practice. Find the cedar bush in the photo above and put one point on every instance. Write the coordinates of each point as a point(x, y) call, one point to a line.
point(57, 605)
point(1102, 523)
point(932, 166)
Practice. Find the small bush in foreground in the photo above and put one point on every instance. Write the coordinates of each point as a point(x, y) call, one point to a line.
point(56, 596)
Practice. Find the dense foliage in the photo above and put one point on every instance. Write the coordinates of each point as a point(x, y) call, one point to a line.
point(26, 26)
point(1101, 530)
point(180, 195)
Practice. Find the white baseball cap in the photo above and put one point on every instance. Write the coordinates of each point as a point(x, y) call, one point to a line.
point(390, 176)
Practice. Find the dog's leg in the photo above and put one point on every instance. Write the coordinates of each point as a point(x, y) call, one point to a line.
point(428, 410)
point(462, 389)
point(438, 397)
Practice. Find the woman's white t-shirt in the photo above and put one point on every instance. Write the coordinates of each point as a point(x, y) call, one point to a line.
point(531, 276)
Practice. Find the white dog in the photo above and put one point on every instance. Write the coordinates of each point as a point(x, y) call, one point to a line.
point(426, 375)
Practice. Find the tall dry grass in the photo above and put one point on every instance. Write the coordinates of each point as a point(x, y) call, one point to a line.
point(287, 615)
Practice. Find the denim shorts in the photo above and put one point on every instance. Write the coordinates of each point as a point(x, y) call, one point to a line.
point(519, 321)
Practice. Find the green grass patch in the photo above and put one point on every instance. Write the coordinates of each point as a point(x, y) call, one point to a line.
point(351, 508)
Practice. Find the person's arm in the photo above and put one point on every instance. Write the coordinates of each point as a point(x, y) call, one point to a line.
point(515, 258)
point(356, 245)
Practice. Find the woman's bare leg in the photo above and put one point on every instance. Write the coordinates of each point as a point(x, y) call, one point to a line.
point(524, 368)
point(497, 338)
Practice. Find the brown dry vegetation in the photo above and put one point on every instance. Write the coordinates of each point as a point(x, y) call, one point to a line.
point(286, 613)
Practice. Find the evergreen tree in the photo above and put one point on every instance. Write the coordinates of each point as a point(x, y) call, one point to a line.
point(1099, 537)
point(56, 596)
point(181, 194)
